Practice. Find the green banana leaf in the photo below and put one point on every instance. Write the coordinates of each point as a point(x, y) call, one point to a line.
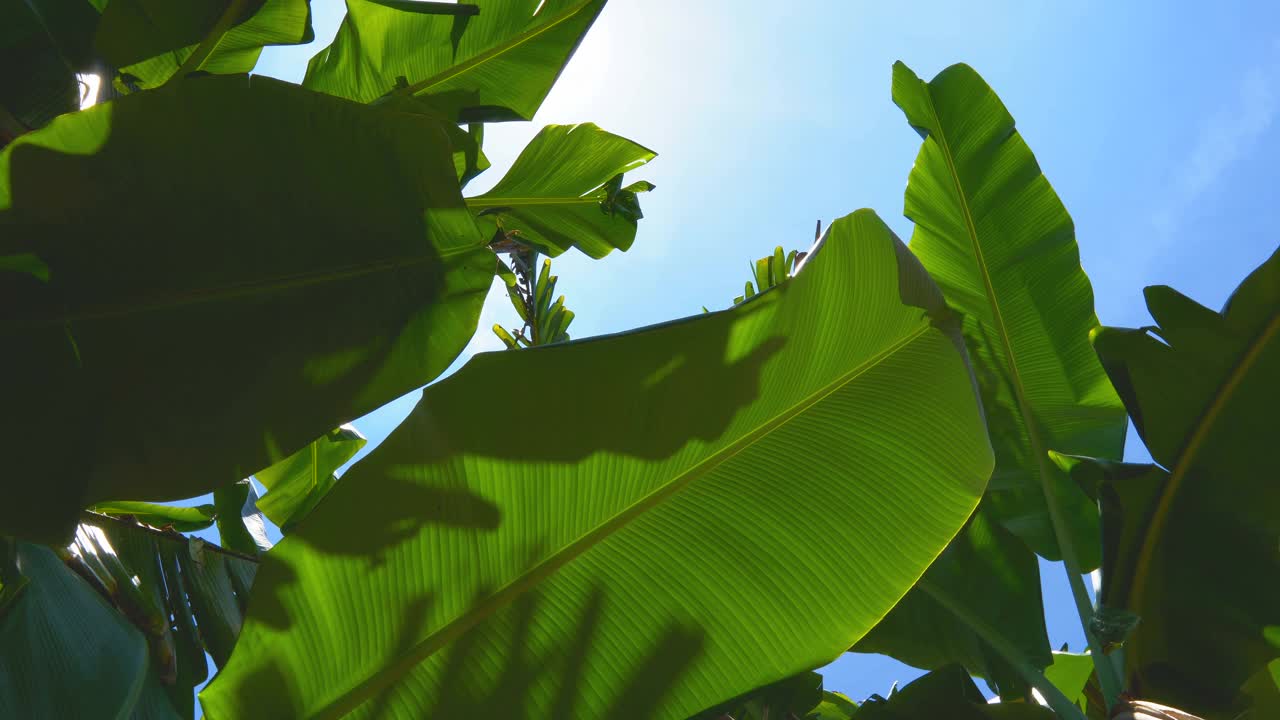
point(150, 40)
point(154, 702)
point(1070, 673)
point(559, 194)
point(1200, 566)
point(296, 483)
point(64, 652)
point(182, 519)
point(949, 693)
point(996, 238)
point(993, 574)
point(496, 63)
point(720, 510)
point(186, 335)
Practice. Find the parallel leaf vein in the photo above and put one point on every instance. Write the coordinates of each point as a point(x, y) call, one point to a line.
point(441, 638)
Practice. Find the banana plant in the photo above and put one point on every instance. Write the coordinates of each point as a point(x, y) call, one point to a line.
point(707, 510)
point(770, 271)
point(530, 292)
point(615, 562)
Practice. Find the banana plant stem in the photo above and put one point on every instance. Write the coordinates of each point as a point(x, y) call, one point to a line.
point(1108, 677)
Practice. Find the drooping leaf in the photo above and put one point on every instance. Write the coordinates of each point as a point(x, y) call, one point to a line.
point(1200, 568)
point(182, 519)
point(183, 346)
point(557, 193)
point(210, 579)
point(128, 582)
point(663, 541)
point(189, 647)
point(228, 501)
point(241, 526)
point(64, 652)
point(998, 579)
point(299, 481)
point(150, 40)
point(995, 236)
point(497, 64)
point(136, 569)
point(949, 693)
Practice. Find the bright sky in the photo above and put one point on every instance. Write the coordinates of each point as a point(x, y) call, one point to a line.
point(1153, 120)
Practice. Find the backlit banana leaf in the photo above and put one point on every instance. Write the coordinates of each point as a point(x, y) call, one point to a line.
point(696, 509)
point(182, 519)
point(565, 191)
point(1070, 673)
point(486, 60)
point(188, 333)
point(1200, 567)
point(296, 483)
point(996, 238)
point(150, 40)
point(997, 578)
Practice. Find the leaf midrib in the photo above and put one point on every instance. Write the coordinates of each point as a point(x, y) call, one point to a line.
point(1024, 405)
point(1061, 533)
point(440, 639)
point(484, 57)
point(483, 201)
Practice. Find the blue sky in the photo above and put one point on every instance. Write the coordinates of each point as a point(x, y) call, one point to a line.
point(1155, 122)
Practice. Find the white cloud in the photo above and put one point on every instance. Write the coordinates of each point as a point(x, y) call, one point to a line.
point(1231, 132)
point(1228, 134)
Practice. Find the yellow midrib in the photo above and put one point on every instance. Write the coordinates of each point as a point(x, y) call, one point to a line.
point(440, 639)
point(1187, 458)
point(1024, 406)
point(486, 56)
point(1066, 548)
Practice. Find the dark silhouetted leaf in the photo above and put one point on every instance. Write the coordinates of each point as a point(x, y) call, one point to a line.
point(1197, 551)
point(187, 335)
